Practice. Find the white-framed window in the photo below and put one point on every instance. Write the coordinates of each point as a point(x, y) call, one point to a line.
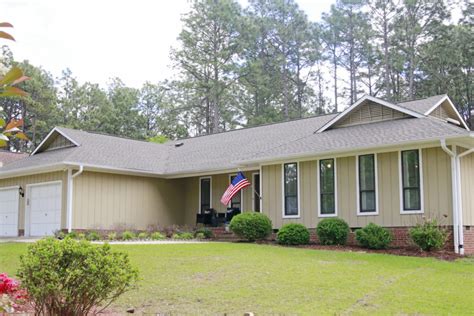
point(205, 194)
point(237, 200)
point(367, 184)
point(411, 181)
point(327, 187)
point(290, 190)
point(256, 192)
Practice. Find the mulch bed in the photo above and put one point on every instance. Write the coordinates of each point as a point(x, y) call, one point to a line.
point(411, 252)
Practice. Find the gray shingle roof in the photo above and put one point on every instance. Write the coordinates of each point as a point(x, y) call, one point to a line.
point(422, 105)
point(229, 150)
point(7, 157)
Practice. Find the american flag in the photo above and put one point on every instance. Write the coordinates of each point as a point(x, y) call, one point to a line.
point(238, 183)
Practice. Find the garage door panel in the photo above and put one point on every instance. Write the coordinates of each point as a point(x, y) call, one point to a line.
point(45, 209)
point(9, 206)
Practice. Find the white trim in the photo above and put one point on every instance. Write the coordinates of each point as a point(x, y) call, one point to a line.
point(49, 135)
point(359, 102)
point(17, 191)
point(70, 195)
point(208, 172)
point(31, 170)
point(318, 198)
point(210, 192)
point(241, 194)
point(359, 213)
point(298, 189)
point(28, 204)
point(253, 191)
point(400, 178)
point(10, 188)
point(446, 98)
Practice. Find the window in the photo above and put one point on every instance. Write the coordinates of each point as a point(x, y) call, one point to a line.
point(256, 192)
point(236, 201)
point(411, 191)
point(367, 184)
point(327, 196)
point(290, 188)
point(205, 194)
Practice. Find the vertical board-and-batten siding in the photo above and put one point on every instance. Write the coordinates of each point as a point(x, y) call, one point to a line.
point(34, 179)
point(467, 189)
point(372, 112)
point(436, 183)
point(108, 201)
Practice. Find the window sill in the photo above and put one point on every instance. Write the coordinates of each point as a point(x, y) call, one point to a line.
point(327, 215)
point(367, 213)
point(402, 212)
point(291, 216)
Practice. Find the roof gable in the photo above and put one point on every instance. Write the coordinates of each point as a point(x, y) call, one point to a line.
point(56, 139)
point(369, 109)
point(444, 109)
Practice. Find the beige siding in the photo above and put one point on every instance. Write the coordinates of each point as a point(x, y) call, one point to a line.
point(108, 201)
point(370, 112)
point(436, 183)
point(38, 178)
point(467, 189)
point(440, 112)
point(59, 142)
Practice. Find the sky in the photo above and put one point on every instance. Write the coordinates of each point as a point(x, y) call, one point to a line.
point(102, 39)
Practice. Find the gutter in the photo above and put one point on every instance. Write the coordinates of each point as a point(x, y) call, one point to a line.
point(70, 182)
point(458, 226)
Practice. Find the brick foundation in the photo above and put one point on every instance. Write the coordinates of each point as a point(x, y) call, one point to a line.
point(401, 238)
point(469, 240)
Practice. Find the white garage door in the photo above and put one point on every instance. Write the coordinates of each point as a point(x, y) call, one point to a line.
point(9, 211)
point(44, 209)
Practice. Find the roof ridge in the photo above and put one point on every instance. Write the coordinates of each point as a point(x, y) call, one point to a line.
point(425, 98)
point(256, 126)
point(109, 135)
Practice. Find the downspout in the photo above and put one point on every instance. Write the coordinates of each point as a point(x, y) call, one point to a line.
point(460, 221)
point(454, 181)
point(70, 178)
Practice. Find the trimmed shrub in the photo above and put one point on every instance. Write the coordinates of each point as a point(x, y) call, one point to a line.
point(157, 236)
point(66, 277)
point(251, 226)
point(205, 231)
point(293, 234)
point(91, 236)
point(332, 231)
point(183, 236)
point(112, 236)
point(373, 236)
point(72, 235)
point(59, 234)
point(128, 235)
point(143, 236)
point(428, 235)
point(81, 236)
point(199, 236)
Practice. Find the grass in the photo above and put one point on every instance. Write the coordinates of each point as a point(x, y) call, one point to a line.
point(218, 278)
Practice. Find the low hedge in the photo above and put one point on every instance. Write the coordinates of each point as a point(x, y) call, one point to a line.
point(373, 236)
point(293, 234)
point(428, 235)
point(251, 226)
point(332, 231)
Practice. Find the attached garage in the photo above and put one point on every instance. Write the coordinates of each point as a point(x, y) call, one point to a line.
point(43, 208)
point(9, 211)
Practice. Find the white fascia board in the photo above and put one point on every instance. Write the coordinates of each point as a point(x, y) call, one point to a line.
point(49, 135)
point(359, 102)
point(451, 104)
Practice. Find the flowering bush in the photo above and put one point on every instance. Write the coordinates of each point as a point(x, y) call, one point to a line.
point(11, 295)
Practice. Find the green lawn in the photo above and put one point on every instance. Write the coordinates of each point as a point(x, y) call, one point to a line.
point(218, 278)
